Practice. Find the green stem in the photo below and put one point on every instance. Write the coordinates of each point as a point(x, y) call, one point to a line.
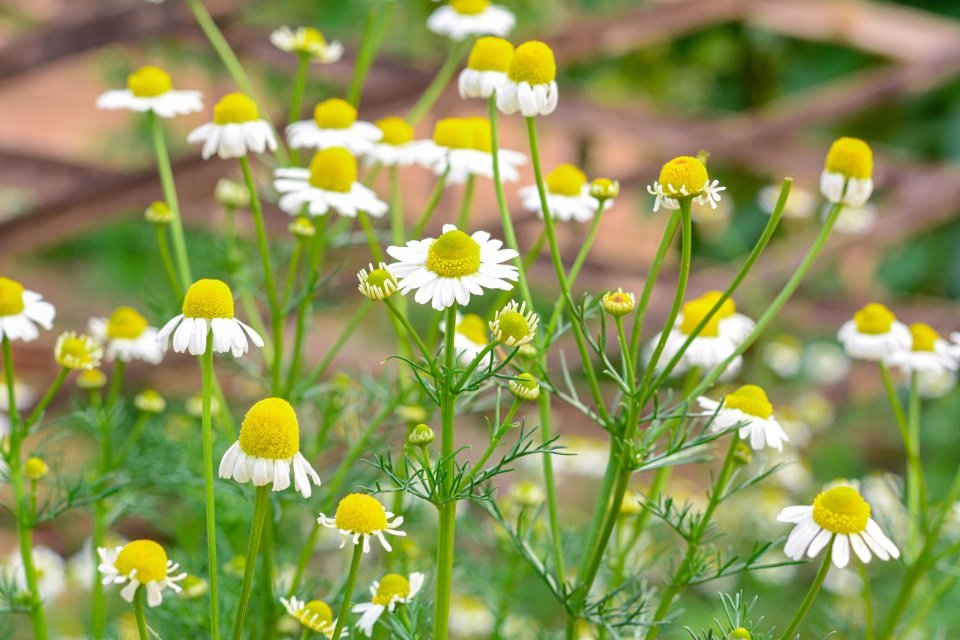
point(168, 261)
point(448, 506)
point(296, 99)
point(253, 547)
point(45, 400)
point(652, 274)
point(917, 493)
point(348, 588)
point(291, 275)
point(409, 329)
point(440, 82)
point(98, 615)
point(466, 205)
point(811, 594)
point(116, 383)
point(138, 597)
point(495, 440)
point(431, 205)
point(867, 601)
point(334, 349)
point(374, 30)
point(553, 512)
point(318, 253)
point(207, 427)
point(173, 203)
point(371, 234)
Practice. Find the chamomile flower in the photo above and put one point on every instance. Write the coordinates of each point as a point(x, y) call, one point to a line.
point(800, 203)
point(235, 131)
point(378, 284)
point(50, 569)
point(396, 147)
point(151, 89)
point(848, 172)
point(447, 270)
point(733, 325)
point(618, 303)
point(462, 147)
point(460, 19)
point(470, 338)
point(840, 515)
point(524, 387)
point(513, 325)
point(874, 334)
point(531, 84)
point(486, 68)
point(21, 310)
point(391, 590)
point(268, 447)
point(329, 183)
point(141, 562)
point(359, 517)
point(749, 408)
point(334, 124)
point(23, 395)
point(127, 336)
point(307, 41)
point(315, 615)
point(853, 220)
point(707, 350)
point(77, 351)
point(568, 196)
point(684, 177)
point(208, 308)
point(928, 352)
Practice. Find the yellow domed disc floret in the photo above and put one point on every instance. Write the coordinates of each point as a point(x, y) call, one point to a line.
point(125, 322)
point(333, 169)
point(454, 255)
point(76, 351)
point(360, 513)
point(453, 133)
point(396, 131)
point(270, 430)
point(566, 180)
point(235, 108)
point(317, 615)
point(35, 468)
point(726, 310)
point(740, 633)
point(334, 114)
point(850, 157)
point(693, 313)
point(149, 82)
point(750, 399)
point(924, 336)
point(874, 319)
point(684, 176)
point(11, 297)
point(391, 586)
point(841, 510)
point(311, 38)
point(469, 7)
point(490, 54)
point(482, 135)
point(473, 328)
point(533, 63)
point(146, 557)
point(512, 326)
point(208, 299)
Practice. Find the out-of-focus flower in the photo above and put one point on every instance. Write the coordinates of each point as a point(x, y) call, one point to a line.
point(307, 41)
point(707, 350)
point(874, 334)
point(531, 84)
point(329, 183)
point(396, 147)
point(848, 172)
point(150, 401)
point(460, 19)
point(463, 147)
point(151, 89)
point(568, 196)
point(486, 68)
point(49, 567)
point(928, 352)
point(77, 351)
point(800, 203)
point(853, 220)
point(784, 355)
point(128, 336)
point(389, 592)
point(235, 131)
point(315, 615)
point(21, 310)
point(470, 618)
point(334, 124)
point(749, 408)
point(233, 194)
point(826, 363)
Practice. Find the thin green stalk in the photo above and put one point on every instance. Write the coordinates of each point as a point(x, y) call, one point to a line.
point(440, 81)
point(136, 432)
point(431, 205)
point(138, 597)
point(409, 329)
point(253, 547)
point(448, 508)
point(371, 234)
point(291, 275)
point(917, 494)
point(466, 205)
point(173, 203)
point(374, 29)
point(45, 400)
point(296, 99)
point(495, 440)
point(168, 261)
point(867, 601)
point(334, 349)
point(207, 426)
point(318, 253)
point(652, 274)
point(98, 614)
point(348, 589)
point(811, 594)
point(116, 383)
point(556, 536)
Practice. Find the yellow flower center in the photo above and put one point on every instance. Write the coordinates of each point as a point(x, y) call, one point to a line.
point(379, 277)
point(270, 430)
point(512, 325)
point(874, 319)
point(396, 131)
point(35, 468)
point(235, 108)
point(146, 557)
point(750, 399)
point(924, 336)
point(333, 169)
point(740, 633)
point(334, 114)
point(482, 136)
point(360, 513)
point(11, 297)
point(453, 133)
point(490, 54)
point(149, 82)
point(693, 313)
point(454, 255)
point(74, 351)
point(566, 180)
point(318, 613)
point(683, 174)
point(390, 586)
point(125, 322)
point(841, 510)
point(473, 328)
point(527, 381)
point(850, 157)
point(726, 310)
point(533, 63)
point(208, 299)
point(310, 38)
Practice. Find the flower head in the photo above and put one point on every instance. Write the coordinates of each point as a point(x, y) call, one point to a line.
point(682, 178)
point(709, 348)
point(513, 325)
point(617, 303)
point(127, 336)
point(91, 379)
point(928, 352)
point(208, 309)
point(151, 89)
point(315, 615)
point(531, 85)
point(486, 68)
point(35, 468)
point(524, 387)
point(604, 188)
point(730, 324)
point(302, 228)
point(236, 129)
point(387, 593)
point(334, 124)
point(377, 284)
point(307, 41)
point(77, 351)
point(748, 408)
point(359, 517)
point(150, 401)
point(874, 333)
point(329, 183)
point(462, 147)
point(568, 196)
point(141, 562)
point(158, 213)
point(21, 310)
point(848, 172)
point(232, 194)
point(420, 436)
point(461, 19)
point(396, 146)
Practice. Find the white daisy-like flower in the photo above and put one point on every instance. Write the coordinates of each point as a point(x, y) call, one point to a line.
point(800, 202)
point(731, 324)
point(449, 269)
point(360, 517)
point(397, 146)
point(315, 615)
point(140, 563)
point(848, 172)
point(50, 569)
point(470, 337)
point(307, 41)
point(513, 325)
point(928, 352)
point(749, 408)
point(268, 447)
point(460, 19)
point(486, 69)
point(329, 183)
point(127, 336)
point(235, 131)
point(684, 177)
point(568, 196)
point(76, 351)
point(23, 395)
point(934, 384)
point(853, 220)
point(842, 516)
point(334, 124)
point(464, 145)
point(151, 89)
point(208, 308)
point(21, 310)
point(707, 350)
point(874, 334)
point(391, 590)
point(531, 84)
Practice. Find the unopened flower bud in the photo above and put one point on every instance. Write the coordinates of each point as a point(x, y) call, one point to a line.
point(740, 633)
point(420, 436)
point(150, 401)
point(302, 228)
point(604, 188)
point(194, 406)
point(617, 303)
point(525, 387)
point(526, 494)
point(193, 587)
point(742, 454)
point(231, 193)
point(158, 213)
point(35, 468)
point(91, 379)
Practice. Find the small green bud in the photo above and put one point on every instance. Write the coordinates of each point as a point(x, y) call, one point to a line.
point(421, 435)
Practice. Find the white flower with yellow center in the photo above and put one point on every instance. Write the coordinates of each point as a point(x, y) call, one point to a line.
point(460, 19)
point(315, 615)
point(396, 147)
point(359, 517)
point(853, 220)
point(268, 447)
point(141, 562)
point(307, 41)
point(732, 325)
point(568, 196)
point(465, 146)
point(874, 334)
point(21, 310)
point(391, 590)
point(486, 68)
point(77, 351)
point(151, 89)
point(127, 336)
point(514, 326)
point(928, 352)
point(235, 131)
point(531, 84)
point(843, 516)
point(748, 408)
point(329, 183)
point(800, 203)
point(684, 177)
point(449, 269)
point(848, 172)
point(334, 124)
point(208, 308)
point(50, 570)
point(23, 395)
point(707, 350)
point(470, 337)
point(378, 284)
